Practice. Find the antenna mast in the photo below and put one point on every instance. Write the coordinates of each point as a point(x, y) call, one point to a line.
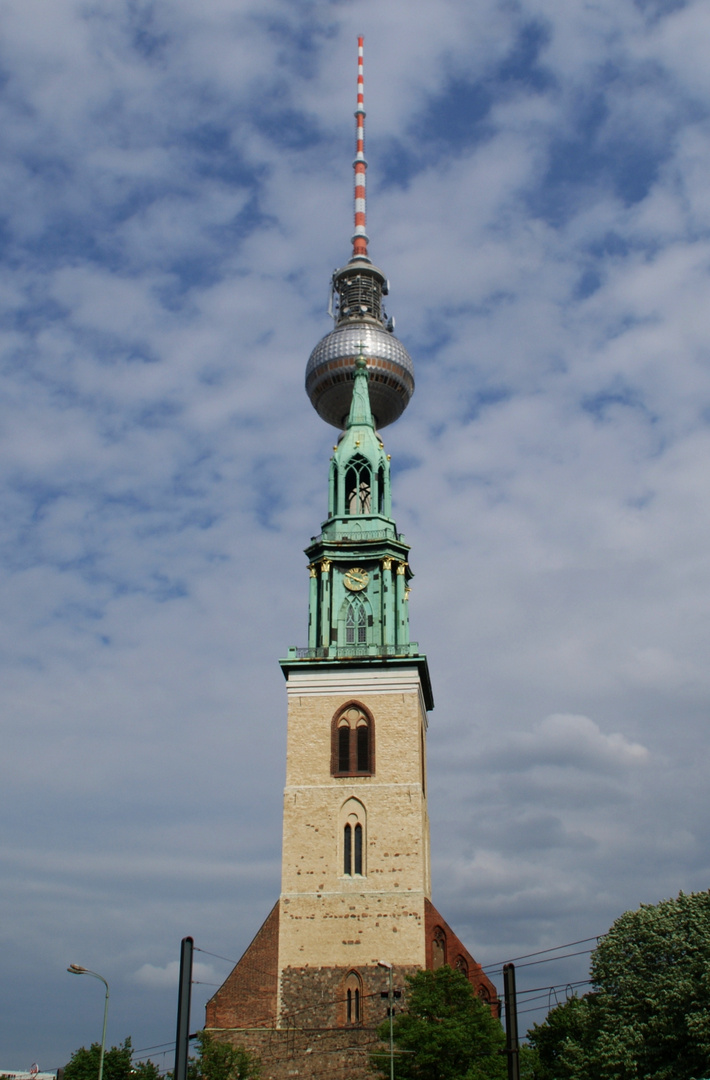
point(359, 164)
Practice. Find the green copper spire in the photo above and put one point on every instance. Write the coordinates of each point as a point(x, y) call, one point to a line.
point(360, 469)
point(359, 596)
point(358, 607)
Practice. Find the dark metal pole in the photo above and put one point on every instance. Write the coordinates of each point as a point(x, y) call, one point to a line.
point(511, 1022)
point(183, 1012)
point(390, 1010)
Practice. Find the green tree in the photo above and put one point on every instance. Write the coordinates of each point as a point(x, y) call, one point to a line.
point(560, 1040)
point(529, 1062)
point(84, 1064)
point(649, 1015)
point(218, 1060)
point(444, 1033)
point(145, 1070)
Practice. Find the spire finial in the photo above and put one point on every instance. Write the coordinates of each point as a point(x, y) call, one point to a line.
point(359, 164)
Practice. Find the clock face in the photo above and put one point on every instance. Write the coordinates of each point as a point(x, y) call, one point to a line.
point(356, 579)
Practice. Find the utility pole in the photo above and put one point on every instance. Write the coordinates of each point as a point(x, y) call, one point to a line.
point(390, 1010)
point(511, 1022)
point(182, 1040)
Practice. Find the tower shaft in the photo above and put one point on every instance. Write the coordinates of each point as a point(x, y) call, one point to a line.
point(355, 869)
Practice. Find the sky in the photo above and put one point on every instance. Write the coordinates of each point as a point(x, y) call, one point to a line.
point(176, 190)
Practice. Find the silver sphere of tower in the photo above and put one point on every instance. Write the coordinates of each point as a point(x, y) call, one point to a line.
point(361, 325)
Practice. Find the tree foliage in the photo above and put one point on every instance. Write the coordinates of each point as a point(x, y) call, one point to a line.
point(84, 1064)
point(648, 1017)
point(558, 1041)
point(218, 1060)
point(445, 1032)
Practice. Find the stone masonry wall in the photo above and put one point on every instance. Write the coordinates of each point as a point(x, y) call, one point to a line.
point(315, 997)
point(314, 1040)
point(311, 1053)
point(329, 918)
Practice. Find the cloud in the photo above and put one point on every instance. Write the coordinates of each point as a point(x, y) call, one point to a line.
point(576, 742)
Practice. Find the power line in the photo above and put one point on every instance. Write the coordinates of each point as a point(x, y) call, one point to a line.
point(557, 986)
point(551, 959)
point(522, 1012)
point(242, 963)
point(549, 990)
point(541, 952)
point(216, 955)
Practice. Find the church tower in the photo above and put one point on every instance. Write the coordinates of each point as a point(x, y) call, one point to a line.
point(355, 898)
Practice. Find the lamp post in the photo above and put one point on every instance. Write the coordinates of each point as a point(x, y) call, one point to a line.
point(77, 969)
point(390, 1010)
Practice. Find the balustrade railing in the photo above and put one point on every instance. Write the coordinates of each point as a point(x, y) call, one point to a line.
point(343, 533)
point(344, 652)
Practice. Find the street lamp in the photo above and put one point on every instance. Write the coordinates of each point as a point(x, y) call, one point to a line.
point(77, 969)
point(390, 1010)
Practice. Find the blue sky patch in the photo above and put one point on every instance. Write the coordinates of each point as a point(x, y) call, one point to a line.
point(484, 398)
point(588, 283)
point(603, 404)
point(523, 64)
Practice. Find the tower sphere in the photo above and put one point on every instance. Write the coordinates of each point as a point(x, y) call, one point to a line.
point(331, 371)
point(360, 328)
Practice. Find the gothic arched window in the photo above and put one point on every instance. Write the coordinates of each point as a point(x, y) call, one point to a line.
point(362, 746)
point(344, 748)
point(358, 487)
point(380, 490)
point(348, 849)
point(353, 832)
point(353, 998)
point(352, 742)
point(356, 624)
point(461, 965)
point(438, 948)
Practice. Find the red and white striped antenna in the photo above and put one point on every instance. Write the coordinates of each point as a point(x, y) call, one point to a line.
point(359, 164)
